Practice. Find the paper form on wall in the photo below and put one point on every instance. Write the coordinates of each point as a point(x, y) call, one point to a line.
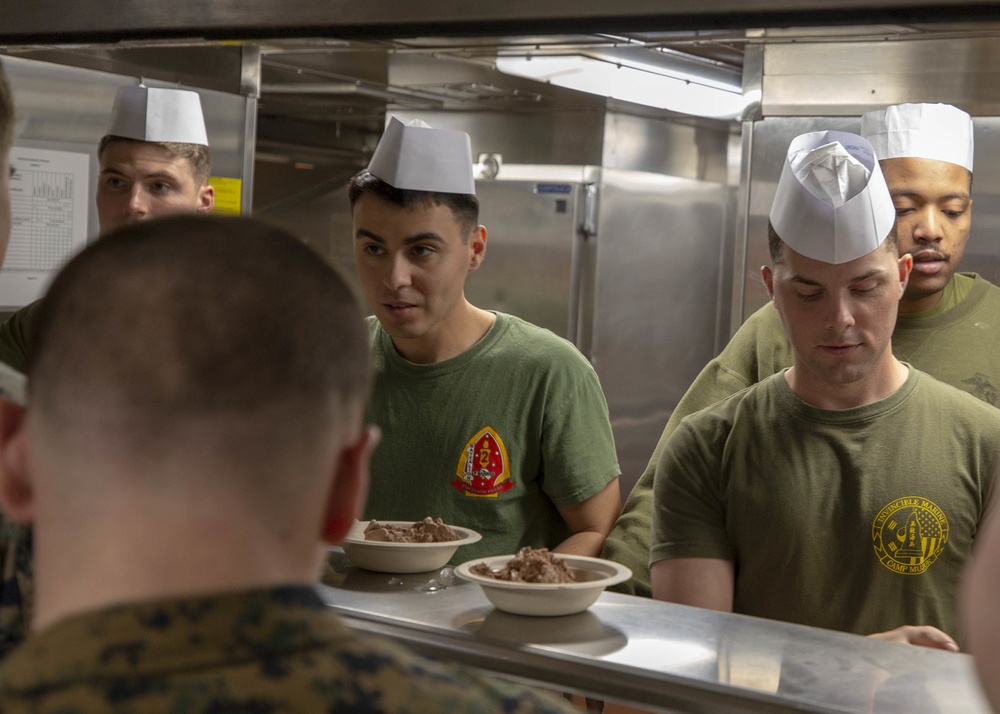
point(49, 199)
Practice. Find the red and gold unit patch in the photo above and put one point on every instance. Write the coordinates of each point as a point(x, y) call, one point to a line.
point(483, 469)
point(909, 534)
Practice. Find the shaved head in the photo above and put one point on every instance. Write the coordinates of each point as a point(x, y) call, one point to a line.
point(223, 341)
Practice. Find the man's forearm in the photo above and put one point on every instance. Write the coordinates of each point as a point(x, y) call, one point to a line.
point(582, 543)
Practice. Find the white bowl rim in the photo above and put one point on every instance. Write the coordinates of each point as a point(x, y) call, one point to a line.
point(468, 536)
point(620, 575)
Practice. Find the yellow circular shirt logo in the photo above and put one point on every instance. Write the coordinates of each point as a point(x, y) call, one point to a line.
point(909, 534)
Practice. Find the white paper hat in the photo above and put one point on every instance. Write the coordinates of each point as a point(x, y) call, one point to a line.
point(413, 156)
point(920, 131)
point(832, 203)
point(153, 114)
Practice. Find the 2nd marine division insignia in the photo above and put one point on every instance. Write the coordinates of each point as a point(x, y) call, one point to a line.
point(909, 534)
point(483, 469)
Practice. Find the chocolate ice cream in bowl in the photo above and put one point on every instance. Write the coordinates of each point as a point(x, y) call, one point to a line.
point(405, 546)
point(539, 582)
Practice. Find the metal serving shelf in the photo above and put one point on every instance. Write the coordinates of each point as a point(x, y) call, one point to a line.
point(656, 655)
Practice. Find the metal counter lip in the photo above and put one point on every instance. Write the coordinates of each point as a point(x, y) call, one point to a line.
point(572, 673)
point(450, 623)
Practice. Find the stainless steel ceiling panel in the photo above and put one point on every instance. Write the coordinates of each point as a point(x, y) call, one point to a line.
point(849, 78)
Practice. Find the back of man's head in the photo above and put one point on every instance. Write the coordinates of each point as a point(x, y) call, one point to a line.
point(222, 343)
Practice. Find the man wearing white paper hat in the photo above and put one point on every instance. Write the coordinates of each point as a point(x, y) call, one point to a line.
point(490, 422)
point(154, 161)
point(828, 494)
point(928, 172)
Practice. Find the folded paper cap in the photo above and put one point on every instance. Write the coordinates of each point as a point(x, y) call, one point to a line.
point(920, 131)
point(832, 203)
point(415, 157)
point(154, 114)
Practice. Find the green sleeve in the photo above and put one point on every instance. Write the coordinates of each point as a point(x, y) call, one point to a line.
point(757, 350)
point(17, 336)
point(578, 445)
point(689, 520)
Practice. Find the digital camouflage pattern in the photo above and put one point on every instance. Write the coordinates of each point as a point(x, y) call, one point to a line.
point(16, 584)
point(16, 573)
point(280, 650)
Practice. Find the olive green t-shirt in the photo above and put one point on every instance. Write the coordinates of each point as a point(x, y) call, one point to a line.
point(957, 342)
point(493, 439)
point(857, 520)
point(17, 336)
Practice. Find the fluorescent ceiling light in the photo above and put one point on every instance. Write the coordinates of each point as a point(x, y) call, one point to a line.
point(633, 80)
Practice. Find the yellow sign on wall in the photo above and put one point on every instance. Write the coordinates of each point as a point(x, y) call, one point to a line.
point(228, 195)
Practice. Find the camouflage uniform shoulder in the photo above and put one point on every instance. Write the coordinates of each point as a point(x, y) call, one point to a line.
point(279, 650)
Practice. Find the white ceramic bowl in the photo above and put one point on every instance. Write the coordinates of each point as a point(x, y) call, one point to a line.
point(402, 557)
point(592, 574)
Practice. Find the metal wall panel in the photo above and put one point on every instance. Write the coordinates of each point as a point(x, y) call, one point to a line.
point(544, 138)
point(660, 242)
point(850, 78)
point(529, 251)
point(692, 148)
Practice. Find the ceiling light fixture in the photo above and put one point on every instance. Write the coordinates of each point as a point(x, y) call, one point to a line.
point(642, 76)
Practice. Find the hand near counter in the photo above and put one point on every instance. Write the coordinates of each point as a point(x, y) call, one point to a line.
point(920, 636)
point(708, 583)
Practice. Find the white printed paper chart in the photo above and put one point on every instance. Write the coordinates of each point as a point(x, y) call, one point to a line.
point(48, 203)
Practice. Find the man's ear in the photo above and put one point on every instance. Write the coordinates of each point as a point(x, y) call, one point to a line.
point(768, 275)
point(16, 488)
point(206, 198)
point(350, 485)
point(477, 242)
point(905, 267)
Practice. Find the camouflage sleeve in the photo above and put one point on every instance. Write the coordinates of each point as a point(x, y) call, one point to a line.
point(16, 584)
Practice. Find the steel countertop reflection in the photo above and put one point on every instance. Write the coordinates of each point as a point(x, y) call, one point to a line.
point(653, 654)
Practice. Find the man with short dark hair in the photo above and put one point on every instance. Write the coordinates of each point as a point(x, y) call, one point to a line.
point(925, 152)
point(845, 491)
point(491, 423)
point(187, 455)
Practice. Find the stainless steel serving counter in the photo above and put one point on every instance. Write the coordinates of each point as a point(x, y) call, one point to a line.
point(656, 655)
